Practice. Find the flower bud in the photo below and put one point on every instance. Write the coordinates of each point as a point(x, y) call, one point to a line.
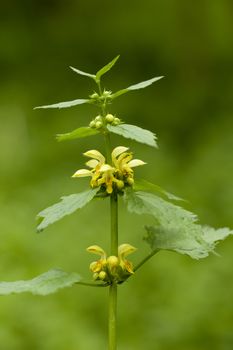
point(130, 181)
point(92, 124)
point(120, 184)
point(98, 125)
point(112, 261)
point(102, 275)
point(95, 276)
point(94, 96)
point(109, 118)
point(107, 93)
point(116, 121)
point(98, 118)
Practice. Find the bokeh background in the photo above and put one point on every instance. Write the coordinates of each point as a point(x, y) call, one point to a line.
point(173, 302)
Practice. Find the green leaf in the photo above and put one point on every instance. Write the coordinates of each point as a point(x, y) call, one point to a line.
point(77, 134)
point(147, 203)
point(138, 86)
point(67, 206)
point(212, 235)
point(47, 283)
point(135, 133)
point(143, 185)
point(65, 104)
point(196, 246)
point(82, 73)
point(106, 68)
point(176, 228)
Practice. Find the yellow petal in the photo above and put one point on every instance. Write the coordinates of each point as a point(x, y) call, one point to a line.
point(92, 163)
point(117, 151)
point(135, 162)
point(128, 266)
point(125, 249)
point(109, 188)
point(96, 155)
point(96, 266)
point(95, 249)
point(82, 173)
point(105, 168)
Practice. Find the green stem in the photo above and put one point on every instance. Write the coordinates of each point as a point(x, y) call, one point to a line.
point(145, 259)
point(112, 309)
point(142, 262)
point(112, 320)
point(112, 317)
point(108, 146)
point(114, 224)
point(88, 284)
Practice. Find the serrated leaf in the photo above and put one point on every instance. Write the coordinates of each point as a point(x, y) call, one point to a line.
point(135, 133)
point(141, 202)
point(47, 283)
point(106, 68)
point(67, 206)
point(77, 134)
point(176, 228)
point(80, 72)
point(212, 235)
point(143, 185)
point(138, 86)
point(65, 104)
point(196, 246)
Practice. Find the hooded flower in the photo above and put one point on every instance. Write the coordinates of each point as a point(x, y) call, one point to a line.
point(112, 268)
point(124, 250)
point(118, 174)
point(97, 266)
point(124, 163)
point(95, 164)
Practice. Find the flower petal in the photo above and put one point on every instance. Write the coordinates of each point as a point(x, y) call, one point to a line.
point(135, 162)
point(105, 168)
point(125, 249)
point(96, 155)
point(118, 150)
point(92, 163)
point(82, 173)
point(95, 249)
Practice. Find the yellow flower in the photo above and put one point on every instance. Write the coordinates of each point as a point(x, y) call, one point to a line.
point(124, 250)
point(124, 163)
point(97, 266)
point(118, 174)
point(97, 161)
point(112, 268)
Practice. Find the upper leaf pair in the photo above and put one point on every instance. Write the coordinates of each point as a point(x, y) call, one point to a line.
point(96, 77)
point(100, 72)
point(126, 130)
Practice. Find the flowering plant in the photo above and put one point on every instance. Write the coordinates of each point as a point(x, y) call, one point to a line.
point(112, 175)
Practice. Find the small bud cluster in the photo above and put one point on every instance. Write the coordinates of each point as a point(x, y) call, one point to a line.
point(106, 96)
point(100, 121)
point(112, 268)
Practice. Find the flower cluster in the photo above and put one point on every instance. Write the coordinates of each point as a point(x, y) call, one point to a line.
point(112, 268)
point(115, 176)
point(100, 121)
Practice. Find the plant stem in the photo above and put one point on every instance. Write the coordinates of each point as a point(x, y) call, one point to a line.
point(113, 287)
point(112, 317)
point(145, 259)
point(92, 284)
point(112, 308)
point(114, 224)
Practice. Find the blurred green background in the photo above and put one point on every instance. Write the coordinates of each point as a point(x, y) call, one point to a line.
point(173, 302)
